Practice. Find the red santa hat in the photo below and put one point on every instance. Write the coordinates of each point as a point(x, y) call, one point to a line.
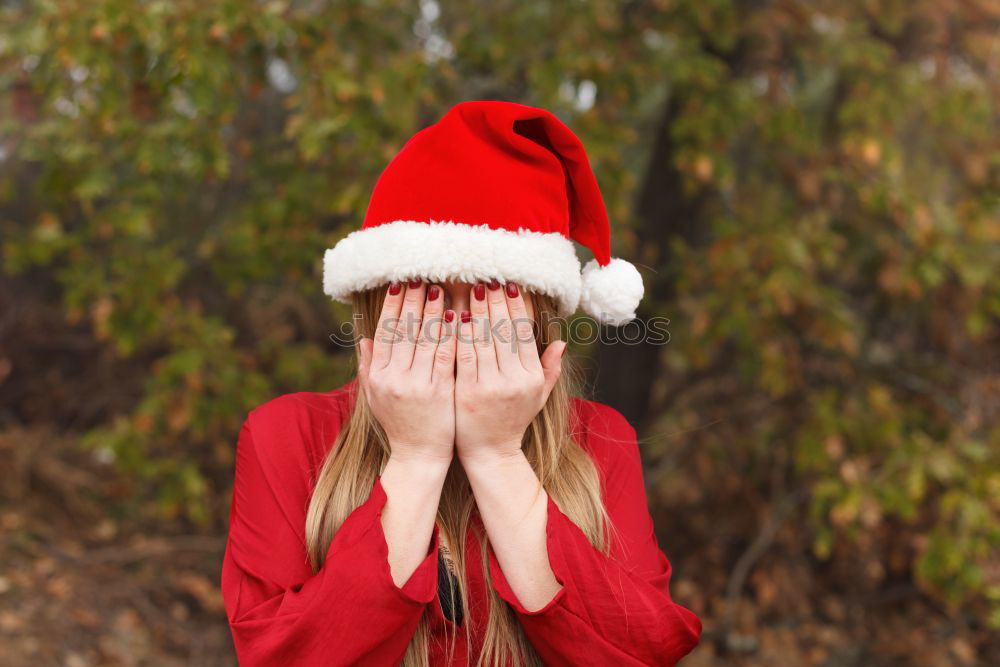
point(492, 190)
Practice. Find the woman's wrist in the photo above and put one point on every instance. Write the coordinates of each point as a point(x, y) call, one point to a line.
point(490, 456)
point(420, 461)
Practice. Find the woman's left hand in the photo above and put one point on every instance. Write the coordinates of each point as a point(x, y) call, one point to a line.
point(501, 382)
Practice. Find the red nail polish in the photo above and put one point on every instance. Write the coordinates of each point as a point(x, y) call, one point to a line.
point(512, 290)
point(494, 284)
point(433, 292)
point(480, 291)
point(449, 315)
point(414, 284)
point(394, 287)
point(466, 316)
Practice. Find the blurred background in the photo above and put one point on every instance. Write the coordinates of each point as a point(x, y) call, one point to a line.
point(810, 189)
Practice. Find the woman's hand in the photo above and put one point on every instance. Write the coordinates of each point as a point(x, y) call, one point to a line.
point(407, 373)
point(501, 383)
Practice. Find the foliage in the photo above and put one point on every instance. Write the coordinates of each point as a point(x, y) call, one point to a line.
point(851, 277)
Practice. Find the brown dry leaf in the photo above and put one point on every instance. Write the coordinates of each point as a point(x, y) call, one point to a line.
point(129, 640)
point(74, 659)
point(963, 650)
point(10, 622)
point(85, 617)
point(205, 591)
point(765, 588)
point(179, 414)
point(59, 587)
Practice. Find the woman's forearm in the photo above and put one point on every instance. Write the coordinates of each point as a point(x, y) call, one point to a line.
point(514, 513)
point(413, 488)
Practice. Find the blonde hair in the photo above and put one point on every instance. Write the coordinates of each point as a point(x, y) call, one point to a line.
point(565, 470)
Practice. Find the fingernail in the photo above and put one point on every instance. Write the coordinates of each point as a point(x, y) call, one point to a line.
point(480, 291)
point(466, 315)
point(494, 284)
point(563, 353)
point(414, 284)
point(433, 292)
point(512, 289)
point(449, 315)
point(394, 287)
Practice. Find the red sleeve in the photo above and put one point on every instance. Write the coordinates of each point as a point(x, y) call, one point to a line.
point(613, 610)
point(280, 613)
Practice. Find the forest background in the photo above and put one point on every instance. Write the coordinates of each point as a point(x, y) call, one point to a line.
point(811, 191)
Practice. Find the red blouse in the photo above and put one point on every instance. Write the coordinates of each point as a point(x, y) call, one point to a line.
point(610, 611)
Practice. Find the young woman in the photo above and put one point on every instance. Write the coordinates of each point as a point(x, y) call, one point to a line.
point(457, 503)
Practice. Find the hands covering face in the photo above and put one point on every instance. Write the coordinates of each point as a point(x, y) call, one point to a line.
point(442, 383)
point(501, 383)
point(408, 373)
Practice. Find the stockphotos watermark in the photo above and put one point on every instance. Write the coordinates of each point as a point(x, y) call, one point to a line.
point(581, 330)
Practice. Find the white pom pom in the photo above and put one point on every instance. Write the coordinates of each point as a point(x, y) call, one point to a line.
point(611, 293)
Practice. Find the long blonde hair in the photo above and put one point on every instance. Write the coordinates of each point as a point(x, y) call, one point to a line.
point(565, 470)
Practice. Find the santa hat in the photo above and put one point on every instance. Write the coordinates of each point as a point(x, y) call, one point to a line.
point(492, 190)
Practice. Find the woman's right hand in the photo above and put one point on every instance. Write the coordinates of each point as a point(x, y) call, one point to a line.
point(408, 373)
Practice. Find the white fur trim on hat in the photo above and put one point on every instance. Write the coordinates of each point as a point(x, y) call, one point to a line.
point(439, 250)
point(611, 293)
